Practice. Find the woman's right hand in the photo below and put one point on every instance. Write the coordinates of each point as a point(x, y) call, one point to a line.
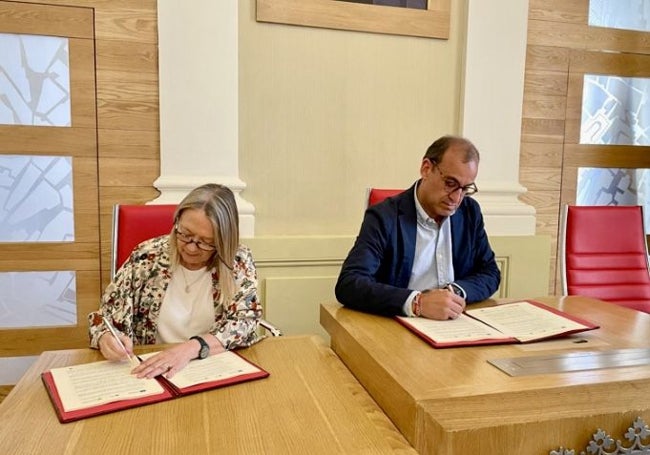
point(111, 349)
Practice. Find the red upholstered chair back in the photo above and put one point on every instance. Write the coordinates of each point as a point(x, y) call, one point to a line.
point(376, 195)
point(604, 254)
point(133, 224)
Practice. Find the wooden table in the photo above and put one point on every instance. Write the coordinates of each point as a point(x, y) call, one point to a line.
point(452, 401)
point(310, 404)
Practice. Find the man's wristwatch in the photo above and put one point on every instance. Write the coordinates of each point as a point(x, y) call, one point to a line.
point(204, 351)
point(456, 289)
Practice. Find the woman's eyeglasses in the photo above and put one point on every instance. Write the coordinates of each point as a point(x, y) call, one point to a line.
point(187, 239)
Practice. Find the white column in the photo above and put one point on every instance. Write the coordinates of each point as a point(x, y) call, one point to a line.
point(492, 109)
point(199, 128)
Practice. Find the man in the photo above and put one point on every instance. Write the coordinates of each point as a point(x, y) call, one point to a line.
point(424, 252)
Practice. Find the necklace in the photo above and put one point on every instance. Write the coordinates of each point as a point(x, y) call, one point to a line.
point(187, 284)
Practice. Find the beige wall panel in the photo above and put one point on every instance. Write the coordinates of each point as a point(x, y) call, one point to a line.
point(130, 57)
point(127, 144)
point(542, 154)
point(540, 179)
point(575, 11)
point(48, 140)
point(318, 116)
point(545, 83)
point(126, 171)
point(544, 106)
point(134, 22)
point(528, 260)
point(18, 17)
point(293, 304)
point(542, 130)
point(546, 58)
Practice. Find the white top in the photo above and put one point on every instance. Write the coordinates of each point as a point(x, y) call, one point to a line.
point(187, 308)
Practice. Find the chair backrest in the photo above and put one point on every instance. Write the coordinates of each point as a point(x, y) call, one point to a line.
point(376, 195)
point(133, 224)
point(604, 254)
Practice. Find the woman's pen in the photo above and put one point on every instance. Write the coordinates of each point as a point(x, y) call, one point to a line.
point(133, 361)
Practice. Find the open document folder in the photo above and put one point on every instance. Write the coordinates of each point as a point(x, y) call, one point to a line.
point(86, 390)
point(518, 322)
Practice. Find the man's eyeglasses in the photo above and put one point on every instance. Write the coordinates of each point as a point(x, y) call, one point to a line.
point(452, 185)
point(186, 238)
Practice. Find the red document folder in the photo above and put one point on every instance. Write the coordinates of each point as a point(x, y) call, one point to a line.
point(170, 391)
point(517, 322)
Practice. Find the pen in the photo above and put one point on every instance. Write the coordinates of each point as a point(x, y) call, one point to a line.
point(117, 338)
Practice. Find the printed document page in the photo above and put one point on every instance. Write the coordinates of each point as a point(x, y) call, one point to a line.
point(217, 367)
point(92, 384)
point(460, 329)
point(525, 321)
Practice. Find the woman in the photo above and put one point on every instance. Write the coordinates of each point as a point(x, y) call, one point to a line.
point(195, 287)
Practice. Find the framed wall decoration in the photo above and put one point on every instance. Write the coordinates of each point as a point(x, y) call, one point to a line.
point(430, 20)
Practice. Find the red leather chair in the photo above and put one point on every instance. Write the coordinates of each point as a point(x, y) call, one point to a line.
point(376, 195)
point(604, 254)
point(133, 224)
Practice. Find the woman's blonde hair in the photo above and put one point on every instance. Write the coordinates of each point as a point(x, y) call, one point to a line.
point(218, 204)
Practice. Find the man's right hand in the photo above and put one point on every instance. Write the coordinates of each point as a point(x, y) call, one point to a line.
point(441, 304)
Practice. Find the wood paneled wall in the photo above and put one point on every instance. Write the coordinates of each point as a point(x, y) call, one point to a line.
point(126, 63)
point(561, 48)
point(114, 91)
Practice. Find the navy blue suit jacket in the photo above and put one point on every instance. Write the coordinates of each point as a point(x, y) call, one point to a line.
point(375, 275)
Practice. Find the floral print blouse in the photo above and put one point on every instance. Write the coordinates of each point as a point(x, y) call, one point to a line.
point(132, 300)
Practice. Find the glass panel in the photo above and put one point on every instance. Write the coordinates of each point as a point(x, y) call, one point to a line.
point(34, 80)
point(36, 199)
point(615, 110)
point(608, 186)
point(416, 4)
point(622, 14)
point(38, 299)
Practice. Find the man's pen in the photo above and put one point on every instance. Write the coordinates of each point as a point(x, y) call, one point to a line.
point(133, 361)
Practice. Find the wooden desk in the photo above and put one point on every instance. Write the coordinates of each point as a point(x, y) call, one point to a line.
point(309, 404)
point(452, 401)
